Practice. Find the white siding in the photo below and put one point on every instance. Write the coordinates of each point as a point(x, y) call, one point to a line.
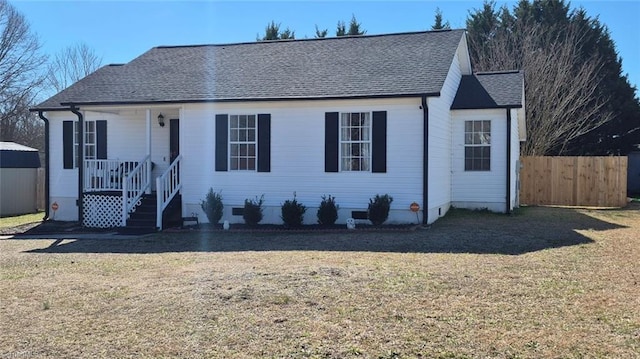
point(297, 159)
point(127, 137)
point(440, 144)
point(63, 184)
point(481, 189)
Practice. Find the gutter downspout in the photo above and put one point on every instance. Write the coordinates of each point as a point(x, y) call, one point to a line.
point(75, 110)
point(46, 165)
point(508, 209)
point(425, 160)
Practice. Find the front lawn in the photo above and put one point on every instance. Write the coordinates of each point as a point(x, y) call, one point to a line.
point(547, 282)
point(17, 221)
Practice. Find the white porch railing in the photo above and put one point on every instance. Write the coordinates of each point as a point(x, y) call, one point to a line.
point(106, 175)
point(167, 186)
point(134, 185)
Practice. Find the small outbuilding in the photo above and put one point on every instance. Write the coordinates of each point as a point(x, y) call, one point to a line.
point(18, 179)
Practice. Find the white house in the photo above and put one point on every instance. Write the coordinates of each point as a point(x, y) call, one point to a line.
point(353, 117)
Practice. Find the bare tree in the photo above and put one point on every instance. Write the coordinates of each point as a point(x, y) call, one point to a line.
point(562, 101)
point(70, 65)
point(22, 126)
point(20, 75)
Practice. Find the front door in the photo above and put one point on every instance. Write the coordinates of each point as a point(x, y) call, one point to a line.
point(174, 138)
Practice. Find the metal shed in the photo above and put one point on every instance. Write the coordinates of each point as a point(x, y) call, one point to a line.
point(18, 179)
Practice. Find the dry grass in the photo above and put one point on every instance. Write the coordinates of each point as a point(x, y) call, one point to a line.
point(16, 221)
point(547, 282)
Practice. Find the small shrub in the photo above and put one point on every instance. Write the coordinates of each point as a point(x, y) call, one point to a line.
point(293, 212)
point(252, 213)
point(379, 206)
point(212, 206)
point(328, 211)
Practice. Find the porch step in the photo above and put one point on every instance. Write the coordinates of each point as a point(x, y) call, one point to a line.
point(143, 220)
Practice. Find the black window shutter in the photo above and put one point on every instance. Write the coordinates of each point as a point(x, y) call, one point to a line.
point(331, 142)
point(264, 142)
point(67, 144)
point(379, 142)
point(101, 140)
point(222, 140)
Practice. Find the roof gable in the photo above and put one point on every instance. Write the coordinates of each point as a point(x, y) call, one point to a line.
point(490, 90)
point(406, 64)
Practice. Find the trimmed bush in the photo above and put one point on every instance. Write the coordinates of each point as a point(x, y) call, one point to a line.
point(252, 213)
point(379, 206)
point(293, 212)
point(328, 211)
point(212, 206)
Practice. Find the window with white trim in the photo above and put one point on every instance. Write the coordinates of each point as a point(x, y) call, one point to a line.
point(242, 142)
point(89, 142)
point(477, 145)
point(355, 141)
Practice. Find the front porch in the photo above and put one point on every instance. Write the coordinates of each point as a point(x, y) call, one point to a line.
point(120, 171)
point(114, 190)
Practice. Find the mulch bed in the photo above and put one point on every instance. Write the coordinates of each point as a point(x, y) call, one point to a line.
point(61, 227)
point(270, 228)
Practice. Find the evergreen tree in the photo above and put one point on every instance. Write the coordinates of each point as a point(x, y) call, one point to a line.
point(272, 32)
point(287, 34)
point(437, 23)
point(577, 100)
point(341, 29)
point(320, 33)
point(354, 27)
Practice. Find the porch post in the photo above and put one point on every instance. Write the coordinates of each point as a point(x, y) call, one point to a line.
point(148, 191)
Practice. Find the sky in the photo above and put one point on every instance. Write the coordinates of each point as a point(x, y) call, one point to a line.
point(119, 31)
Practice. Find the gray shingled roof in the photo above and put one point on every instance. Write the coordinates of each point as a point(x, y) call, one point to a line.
point(490, 90)
point(363, 66)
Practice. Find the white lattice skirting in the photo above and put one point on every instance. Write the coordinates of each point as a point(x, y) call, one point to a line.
point(102, 211)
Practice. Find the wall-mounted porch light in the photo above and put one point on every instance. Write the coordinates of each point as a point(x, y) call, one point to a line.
point(161, 120)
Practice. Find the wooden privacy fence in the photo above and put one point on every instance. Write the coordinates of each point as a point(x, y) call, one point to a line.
point(574, 181)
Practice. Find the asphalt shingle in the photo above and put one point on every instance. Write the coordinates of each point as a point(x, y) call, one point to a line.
point(490, 90)
point(363, 66)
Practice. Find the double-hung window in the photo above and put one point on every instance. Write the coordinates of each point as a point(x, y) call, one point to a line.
point(89, 142)
point(477, 145)
point(242, 142)
point(355, 141)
